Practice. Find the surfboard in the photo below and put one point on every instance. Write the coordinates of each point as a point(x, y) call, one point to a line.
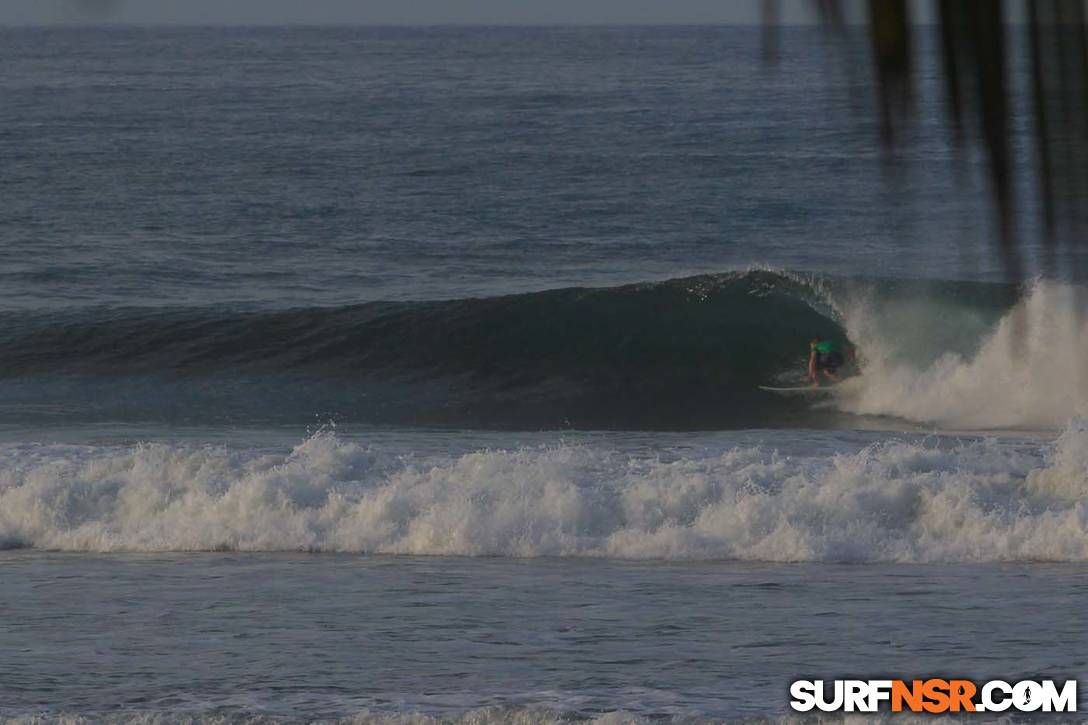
point(800, 390)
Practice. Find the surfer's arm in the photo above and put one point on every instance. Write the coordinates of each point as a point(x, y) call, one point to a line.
point(812, 368)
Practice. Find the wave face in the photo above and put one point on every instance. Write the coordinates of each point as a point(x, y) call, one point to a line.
point(679, 354)
point(890, 502)
point(682, 353)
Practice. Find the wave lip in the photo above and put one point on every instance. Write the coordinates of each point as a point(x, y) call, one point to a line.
point(902, 502)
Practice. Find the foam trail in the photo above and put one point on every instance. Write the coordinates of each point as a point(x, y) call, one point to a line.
point(898, 501)
point(1027, 373)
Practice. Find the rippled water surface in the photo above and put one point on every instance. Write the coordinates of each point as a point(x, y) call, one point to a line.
point(335, 636)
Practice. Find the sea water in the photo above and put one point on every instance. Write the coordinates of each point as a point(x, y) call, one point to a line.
point(390, 374)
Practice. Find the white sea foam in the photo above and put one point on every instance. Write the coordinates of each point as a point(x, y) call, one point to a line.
point(906, 501)
point(1029, 372)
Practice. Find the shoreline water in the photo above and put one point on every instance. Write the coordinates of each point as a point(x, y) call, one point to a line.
point(540, 639)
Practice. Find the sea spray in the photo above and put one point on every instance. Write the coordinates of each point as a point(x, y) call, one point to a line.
point(1027, 371)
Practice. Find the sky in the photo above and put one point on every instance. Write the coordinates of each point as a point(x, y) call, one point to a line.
point(258, 12)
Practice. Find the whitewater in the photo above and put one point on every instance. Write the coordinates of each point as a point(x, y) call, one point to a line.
point(934, 499)
point(1026, 372)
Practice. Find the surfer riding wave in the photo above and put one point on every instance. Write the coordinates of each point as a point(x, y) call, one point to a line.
point(827, 357)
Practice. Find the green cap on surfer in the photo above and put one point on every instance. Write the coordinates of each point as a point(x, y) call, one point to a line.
point(827, 357)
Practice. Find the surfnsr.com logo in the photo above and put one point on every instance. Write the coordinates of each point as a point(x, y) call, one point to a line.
point(933, 696)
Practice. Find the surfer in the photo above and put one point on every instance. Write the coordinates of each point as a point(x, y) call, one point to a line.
point(827, 357)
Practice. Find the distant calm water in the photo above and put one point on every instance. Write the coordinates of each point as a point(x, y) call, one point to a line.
point(374, 373)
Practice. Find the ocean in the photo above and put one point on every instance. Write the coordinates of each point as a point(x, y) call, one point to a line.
point(414, 374)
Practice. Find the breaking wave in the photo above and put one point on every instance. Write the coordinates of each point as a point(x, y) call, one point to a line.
point(681, 354)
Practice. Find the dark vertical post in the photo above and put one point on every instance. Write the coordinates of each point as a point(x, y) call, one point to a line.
point(770, 31)
point(889, 32)
point(1042, 132)
point(950, 29)
point(987, 29)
